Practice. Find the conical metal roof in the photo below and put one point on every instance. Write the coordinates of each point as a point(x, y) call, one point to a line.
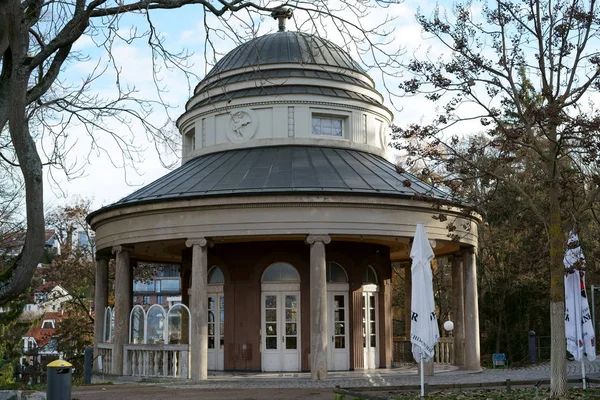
point(283, 170)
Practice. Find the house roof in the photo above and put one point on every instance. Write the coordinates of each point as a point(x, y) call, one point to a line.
point(283, 170)
point(45, 287)
point(43, 336)
point(15, 239)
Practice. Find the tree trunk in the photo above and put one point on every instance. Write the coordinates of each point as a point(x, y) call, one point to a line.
point(558, 356)
point(17, 278)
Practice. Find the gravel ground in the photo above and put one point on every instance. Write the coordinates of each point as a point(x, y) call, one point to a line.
point(271, 386)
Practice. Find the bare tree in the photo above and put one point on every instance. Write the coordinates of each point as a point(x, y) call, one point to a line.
point(525, 70)
point(36, 43)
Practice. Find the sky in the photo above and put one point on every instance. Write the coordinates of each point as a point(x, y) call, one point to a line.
point(102, 176)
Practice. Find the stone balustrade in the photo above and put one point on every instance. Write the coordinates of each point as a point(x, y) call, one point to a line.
point(157, 360)
point(105, 350)
point(444, 351)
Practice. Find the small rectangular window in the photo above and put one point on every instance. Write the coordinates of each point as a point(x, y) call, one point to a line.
point(190, 140)
point(324, 126)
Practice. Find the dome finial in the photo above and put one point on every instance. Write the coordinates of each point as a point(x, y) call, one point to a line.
point(282, 14)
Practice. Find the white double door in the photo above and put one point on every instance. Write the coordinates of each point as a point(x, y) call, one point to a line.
point(337, 329)
point(216, 338)
point(280, 331)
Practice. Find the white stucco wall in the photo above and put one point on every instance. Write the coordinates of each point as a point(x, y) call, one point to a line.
point(285, 119)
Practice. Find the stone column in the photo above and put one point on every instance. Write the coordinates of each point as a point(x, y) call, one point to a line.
point(185, 272)
point(199, 308)
point(100, 303)
point(318, 306)
point(407, 298)
point(357, 354)
point(458, 309)
point(386, 336)
point(123, 304)
point(472, 354)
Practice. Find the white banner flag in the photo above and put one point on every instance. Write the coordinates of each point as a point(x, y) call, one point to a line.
point(579, 330)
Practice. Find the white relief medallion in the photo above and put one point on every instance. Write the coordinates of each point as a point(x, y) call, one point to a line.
point(242, 125)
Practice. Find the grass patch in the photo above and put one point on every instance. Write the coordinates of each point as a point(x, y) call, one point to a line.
point(515, 394)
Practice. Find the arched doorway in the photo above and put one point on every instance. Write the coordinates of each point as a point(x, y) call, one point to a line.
point(337, 327)
point(216, 319)
point(370, 325)
point(280, 318)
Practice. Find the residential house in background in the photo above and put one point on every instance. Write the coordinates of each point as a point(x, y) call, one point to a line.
point(12, 243)
point(85, 239)
point(164, 288)
point(40, 345)
point(47, 297)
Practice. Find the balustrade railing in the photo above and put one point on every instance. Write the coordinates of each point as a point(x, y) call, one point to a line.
point(157, 360)
point(444, 351)
point(105, 350)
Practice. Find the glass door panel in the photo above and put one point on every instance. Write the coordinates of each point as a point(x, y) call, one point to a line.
point(216, 338)
point(339, 322)
point(211, 322)
point(271, 322)
point(338, 330)
point(291, 322)
point(369, 330)
point(221, 322)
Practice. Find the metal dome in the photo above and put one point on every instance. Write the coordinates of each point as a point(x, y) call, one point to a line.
point(283, 48)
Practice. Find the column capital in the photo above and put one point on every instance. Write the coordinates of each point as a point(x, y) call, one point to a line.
point(102, 257)
point(468, 250)
point(116, 250)
point(201, 241)
point(310, 239)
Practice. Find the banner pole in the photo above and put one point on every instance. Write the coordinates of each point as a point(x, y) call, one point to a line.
point(583, 373)
point(422, 377)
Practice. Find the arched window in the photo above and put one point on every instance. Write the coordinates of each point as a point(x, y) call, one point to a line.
point(335, 273)
point(137, 322)
point(215, 276)
point(109, 324)
point(279, 272)
point(370, 275)
point(179, 328)
point(156, 326)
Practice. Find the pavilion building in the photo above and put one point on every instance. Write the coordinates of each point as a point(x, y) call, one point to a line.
point(284, 219)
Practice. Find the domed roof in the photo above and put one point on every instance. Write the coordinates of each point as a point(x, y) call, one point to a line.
point(286, 47)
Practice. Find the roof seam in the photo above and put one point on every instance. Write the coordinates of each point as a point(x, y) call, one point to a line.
point(338, 151)
point(322, 149)
point(356, 157)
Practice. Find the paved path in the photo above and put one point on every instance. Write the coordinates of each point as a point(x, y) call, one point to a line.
point(407, 375)
point(271, 386)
